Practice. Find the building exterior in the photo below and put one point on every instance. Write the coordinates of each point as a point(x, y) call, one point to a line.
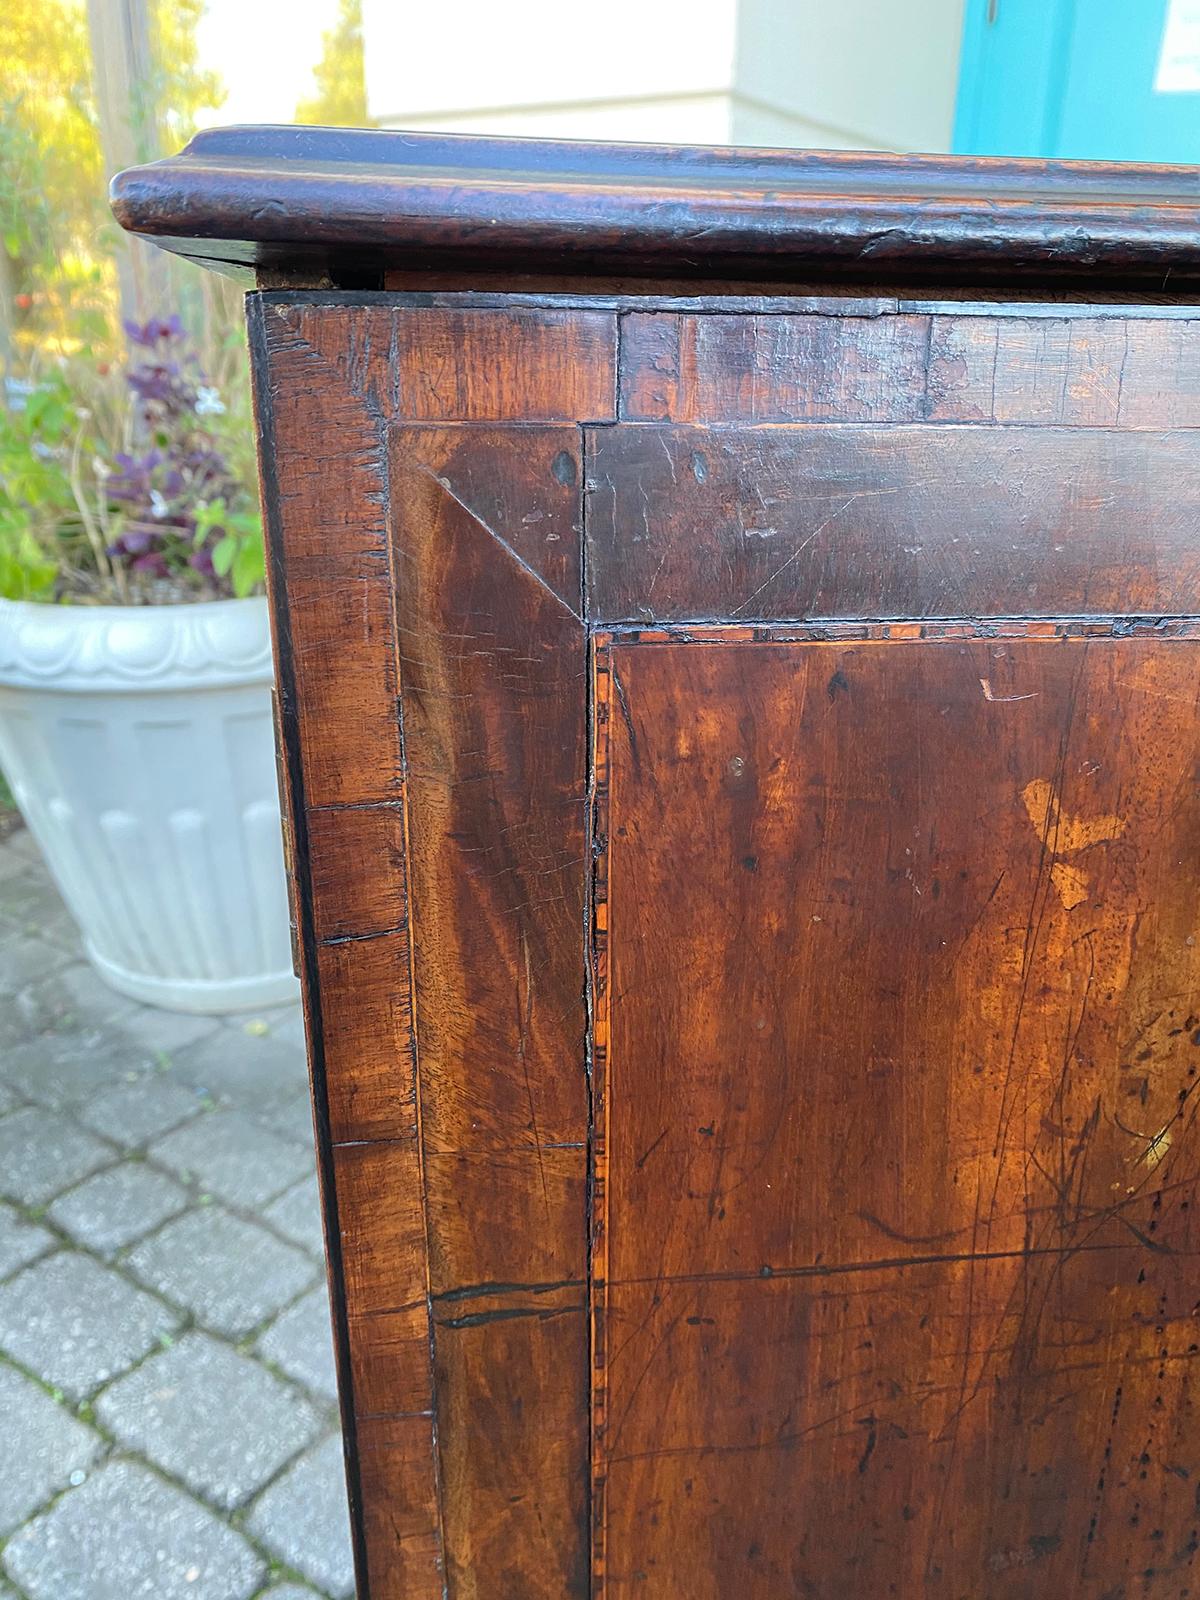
point(1098, 79)
point(861, 74)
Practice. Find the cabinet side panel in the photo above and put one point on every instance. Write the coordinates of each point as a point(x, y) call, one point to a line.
point(492, 663)
point(324, 495)
point(788, 522)
point(902, 959)
point(880, 365)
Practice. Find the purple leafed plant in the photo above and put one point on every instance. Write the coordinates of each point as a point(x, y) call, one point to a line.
point(169, 485)
point(133, 488)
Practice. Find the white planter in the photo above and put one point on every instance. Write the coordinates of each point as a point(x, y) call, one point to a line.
point(139, 747)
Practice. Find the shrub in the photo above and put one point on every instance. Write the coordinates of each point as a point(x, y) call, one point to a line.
point(120, 488)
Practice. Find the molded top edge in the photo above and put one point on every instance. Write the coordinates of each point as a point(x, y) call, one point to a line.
point(368, 199)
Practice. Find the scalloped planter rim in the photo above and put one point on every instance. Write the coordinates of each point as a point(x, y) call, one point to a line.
point(138, 744)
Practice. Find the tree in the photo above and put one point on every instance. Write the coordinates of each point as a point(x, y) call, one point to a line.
point(339, 78)
point(58, 242)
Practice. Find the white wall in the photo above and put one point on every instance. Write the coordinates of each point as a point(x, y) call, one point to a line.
point(868, 74)
point(873, 74)
point(546, 66)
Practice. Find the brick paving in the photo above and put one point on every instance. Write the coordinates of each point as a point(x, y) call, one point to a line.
point(166, 1374)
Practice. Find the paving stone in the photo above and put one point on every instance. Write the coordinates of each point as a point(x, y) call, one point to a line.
point(21, 1018)
point(233, 1065)
point(287, 1591)
point(25, 959)
point(290, 1116)
point(114, 1208)
point(300, 1343)
point(232, 1157)
point(225, 1452)
point(165, 1032)
point(231, 1274)
point(77, 1324)
point(20, 1242)
point(303, 1519)
point(12, 858)
point(132, 1113)
point(42, 1154)
point(280, 1022)
point(30, 903)
point(76, 1000)
point(22, 846)
point(77, 996)
point(62, 1071)
point(20, 893)
point(126, 1535)
point(297, 1215)
point(9, 1099)
point(46, 1445)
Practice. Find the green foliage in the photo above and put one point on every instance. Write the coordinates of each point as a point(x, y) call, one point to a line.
point(42, 441)
point(127, 487)
point(237, 552)
point(59, 246)
point(178, 89)
point(339, 78)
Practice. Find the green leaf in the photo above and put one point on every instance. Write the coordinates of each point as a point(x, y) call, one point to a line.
point(249, 568)
point(222, 556)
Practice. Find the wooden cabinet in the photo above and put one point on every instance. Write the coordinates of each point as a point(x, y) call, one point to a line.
point(739, 647)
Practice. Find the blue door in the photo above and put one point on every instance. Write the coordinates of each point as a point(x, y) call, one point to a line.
point(1101, 80)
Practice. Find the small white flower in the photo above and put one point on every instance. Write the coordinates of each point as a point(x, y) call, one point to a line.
point(101, 468)
point(208, 402)
point(158, 506)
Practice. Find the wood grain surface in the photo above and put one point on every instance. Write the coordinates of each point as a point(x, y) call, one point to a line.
point(829, 520)
point(901, 962)
point(493, 663)
point(348, 204)
point(754, 1077)
point(914, 366)
point(434, 717)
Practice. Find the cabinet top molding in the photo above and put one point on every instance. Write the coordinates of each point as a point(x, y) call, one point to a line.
point(353, 203)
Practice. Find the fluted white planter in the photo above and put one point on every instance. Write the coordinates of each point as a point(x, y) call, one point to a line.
point(138, 744)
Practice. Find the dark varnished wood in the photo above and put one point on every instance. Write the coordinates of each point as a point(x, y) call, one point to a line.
point(450, 1061)
point(348, 200)
point(880, 1227)
point(912, 366)
point(905, 521)
point(493, 665)
point(697, 1499)
point(740, 751)
point(931, 1156)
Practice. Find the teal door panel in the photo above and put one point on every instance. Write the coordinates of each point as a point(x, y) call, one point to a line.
point(1080, 78)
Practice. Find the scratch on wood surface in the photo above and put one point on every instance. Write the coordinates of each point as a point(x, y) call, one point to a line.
point(796, 554)
point(1002, 699)
point(532, 572)
point(1158, 1147)
point(525, 1025)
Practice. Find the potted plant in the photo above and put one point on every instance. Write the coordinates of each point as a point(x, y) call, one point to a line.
point(135, 674)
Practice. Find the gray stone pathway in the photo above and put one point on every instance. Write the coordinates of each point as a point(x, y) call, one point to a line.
point(167, 1393)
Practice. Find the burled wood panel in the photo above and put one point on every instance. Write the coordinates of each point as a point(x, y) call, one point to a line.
point(897, 1275)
